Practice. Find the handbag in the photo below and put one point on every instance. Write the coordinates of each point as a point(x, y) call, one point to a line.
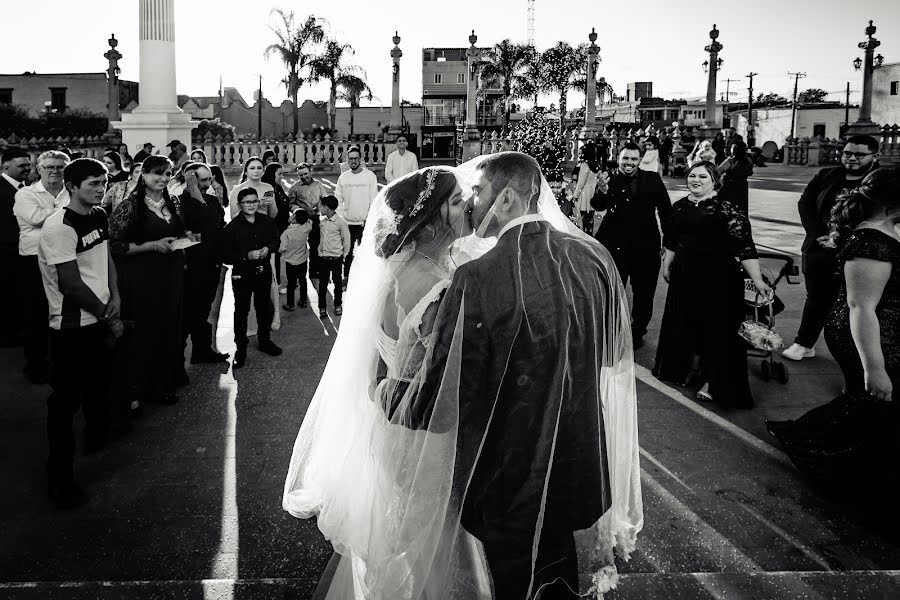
point(756, 331)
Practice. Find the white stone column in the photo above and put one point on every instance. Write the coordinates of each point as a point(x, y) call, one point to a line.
point(590, 101)
point(396, 120)
point(157, 119)
point(471, 137)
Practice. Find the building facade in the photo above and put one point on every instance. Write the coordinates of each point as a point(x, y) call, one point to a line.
point(886, 94)
point(773, 125)
point(61, 92)
point(444, 73)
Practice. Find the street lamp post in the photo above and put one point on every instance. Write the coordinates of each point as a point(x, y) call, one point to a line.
point(712, 67)
point(590, 107)
point(471, 138)
point(396, 109)
point(112, 82)
point(864, 123)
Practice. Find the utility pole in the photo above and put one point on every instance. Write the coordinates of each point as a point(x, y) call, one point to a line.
point(847, 107)
point(259, 111)
point(797, 77)
point(728, 88)
point(751, 136)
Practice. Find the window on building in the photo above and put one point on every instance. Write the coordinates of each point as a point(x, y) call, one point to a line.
point(5, 95)
point(460, 78)
point(819, 130)
point(895, 88)
point(439, 78)
point(443, 111)
point(58, 99)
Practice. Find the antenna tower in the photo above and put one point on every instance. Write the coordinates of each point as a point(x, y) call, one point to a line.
point(531, 22)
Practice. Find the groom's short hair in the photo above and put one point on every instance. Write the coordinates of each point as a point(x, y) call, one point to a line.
point(517, 171)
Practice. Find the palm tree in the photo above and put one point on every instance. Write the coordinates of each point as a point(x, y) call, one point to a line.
point(352, 89)
point(503, 67)
point(294, 43)
point(330, 66)
point(564, 68)
point(530, 84)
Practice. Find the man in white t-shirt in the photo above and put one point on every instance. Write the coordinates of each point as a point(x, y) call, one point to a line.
point(355, 191)
point(400, 162)
point(80, 282)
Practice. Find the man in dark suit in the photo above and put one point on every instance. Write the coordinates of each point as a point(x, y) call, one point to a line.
point(15, 165)
point(632, 198)
point(531, 437)
point(859, 158)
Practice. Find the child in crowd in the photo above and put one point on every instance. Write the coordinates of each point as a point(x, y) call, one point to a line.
point(334, 245)
point(295, 252)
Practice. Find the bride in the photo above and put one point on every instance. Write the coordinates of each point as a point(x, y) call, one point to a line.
point(379, 464)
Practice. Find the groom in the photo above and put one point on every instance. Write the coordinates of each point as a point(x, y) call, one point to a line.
point(531, 434)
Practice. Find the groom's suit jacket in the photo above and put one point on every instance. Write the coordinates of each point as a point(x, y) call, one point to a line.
point(529, 360)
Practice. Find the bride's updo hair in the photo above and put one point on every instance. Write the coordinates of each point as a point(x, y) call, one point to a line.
point(415, 204)
point(879, 189)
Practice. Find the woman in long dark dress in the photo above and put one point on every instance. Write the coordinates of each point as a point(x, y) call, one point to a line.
point(273, 175)
point(151, 280)
point(856, 434)
point(698, 340)
point(735, 170)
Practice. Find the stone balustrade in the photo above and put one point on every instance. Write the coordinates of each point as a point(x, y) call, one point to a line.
point(90, 147)
point(823, 152)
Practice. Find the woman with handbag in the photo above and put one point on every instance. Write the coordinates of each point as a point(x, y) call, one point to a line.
point(707, 243)
point(854, 437)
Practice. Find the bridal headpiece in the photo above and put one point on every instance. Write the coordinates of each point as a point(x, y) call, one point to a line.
point(430, 177)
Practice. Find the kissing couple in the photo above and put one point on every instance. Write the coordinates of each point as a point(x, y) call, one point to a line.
point(474, 433)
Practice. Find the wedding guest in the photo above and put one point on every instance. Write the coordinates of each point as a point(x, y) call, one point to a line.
point(178, 154)
point(34, 204)
point(247, 243)
point(273, 175)
point(355, 191)
point(294, 247)
point(145, 152)
point(269, 157)
point(117, 192)
point(204, 218)
point(650, 160)
point(632, 199)
point(858, 159)
point(701, 152)
point(151, 284)
point(117, 172)
point(220, 188)
point(335, 244)
point(735, 170)
point(665, 151)
point(850, 443)
point(586, 184)
point(15, 165)
point(176, 185)
point(79, 280)
point(199, 156)
point(400, 162)
point(306, 194)
point(718, 146)
point(127, 159)
point(252, 177)
point(698, 338)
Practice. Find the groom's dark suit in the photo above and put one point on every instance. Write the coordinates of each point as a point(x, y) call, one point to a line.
point(530, 361)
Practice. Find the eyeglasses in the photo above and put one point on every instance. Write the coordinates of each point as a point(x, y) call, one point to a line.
point(249, 202)
point(53, 167)
point(859, 155)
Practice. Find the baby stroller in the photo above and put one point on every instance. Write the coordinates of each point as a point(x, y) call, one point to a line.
point(759, 328)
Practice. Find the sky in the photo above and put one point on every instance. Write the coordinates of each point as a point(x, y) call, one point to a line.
point(646, 40)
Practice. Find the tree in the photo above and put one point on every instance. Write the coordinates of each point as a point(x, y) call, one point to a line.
point(503, 68)
point(352, 89)
point(330, 66)
point(564, 68)
point(771, 98)
point(293, 46)
point(812, 95)
point(530, 85)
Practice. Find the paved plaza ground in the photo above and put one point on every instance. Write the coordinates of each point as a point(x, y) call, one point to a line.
point(189, 504)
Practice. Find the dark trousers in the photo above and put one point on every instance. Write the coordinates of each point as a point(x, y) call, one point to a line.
point(10, 301)
point(555, 570)
point(822, 287)
point(35, 314)
point(330, 267)
point(200, 285)
point(296, 274)
point(80, 359)
point(356, 232)
point(664, 161)
point(315, 235)
point(643, 271)
point(259, 286)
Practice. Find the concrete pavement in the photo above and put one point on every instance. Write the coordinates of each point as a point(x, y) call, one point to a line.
point(189, 505)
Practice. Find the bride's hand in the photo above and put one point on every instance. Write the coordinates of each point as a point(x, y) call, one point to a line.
point(879, 385)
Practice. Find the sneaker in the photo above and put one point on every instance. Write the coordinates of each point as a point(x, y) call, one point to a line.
point(288, 308)
point(338, 310)
point(270, 348)
point(323, 314)
point(240, 357)
point(798, 352)
point(282, 289)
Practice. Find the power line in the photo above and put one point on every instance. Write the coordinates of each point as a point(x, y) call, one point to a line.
point(797, 77)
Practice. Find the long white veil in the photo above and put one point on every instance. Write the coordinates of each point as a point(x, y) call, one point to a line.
point(411, 472)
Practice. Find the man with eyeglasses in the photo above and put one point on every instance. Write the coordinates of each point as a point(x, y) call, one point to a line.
point(34, 204)
point(859, 158)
